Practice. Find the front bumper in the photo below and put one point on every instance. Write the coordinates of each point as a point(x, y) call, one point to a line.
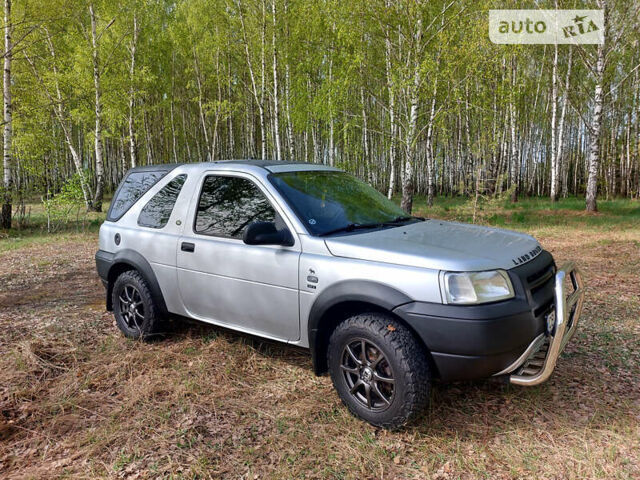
point(509, 339)
point(538, 361)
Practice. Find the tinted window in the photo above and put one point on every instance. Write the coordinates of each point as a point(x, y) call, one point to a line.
point(157, 211)
point(228, 204)
point(131, 189)
point(328, 200)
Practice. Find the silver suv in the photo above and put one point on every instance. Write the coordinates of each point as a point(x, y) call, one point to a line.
point(309, 255)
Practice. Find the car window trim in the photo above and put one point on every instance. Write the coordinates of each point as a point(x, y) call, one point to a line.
point(232, 175)
point(154, 195)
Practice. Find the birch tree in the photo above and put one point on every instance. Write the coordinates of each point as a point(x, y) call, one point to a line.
point(392, 109)
point(276, 110)
point(514, 158)
point(554, 132)
point(96, 204)
point(413, 94)
point(596, 122)
point(133, 148)
point(257, 90)
point(5, 218)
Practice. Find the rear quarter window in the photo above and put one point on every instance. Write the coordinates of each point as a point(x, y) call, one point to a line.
point(157, 211)
point(131, 189)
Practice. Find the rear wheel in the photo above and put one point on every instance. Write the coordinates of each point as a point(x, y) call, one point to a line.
point(133, 306)
point(379, 370)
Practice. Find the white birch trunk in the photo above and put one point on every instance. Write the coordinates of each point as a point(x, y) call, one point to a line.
point(263, 74)
point(331, 132)
point(287, 89)
point(276, 119)
point(561, 163)
point(96, 204)
point(411, 137)
point(171, 109)
point(258, 96)
point(515, 164)
point(596, 123)
point(554, 132)
point(594, 133)
point(429, 147)
point(288, 107)
point(203, 121)
point(365, 139)
point(392, 113)
point(5, 219)
point(133, 148)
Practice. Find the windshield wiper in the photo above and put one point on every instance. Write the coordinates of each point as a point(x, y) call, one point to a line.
point(402, 218)
point(357, 226)
point(350, 228)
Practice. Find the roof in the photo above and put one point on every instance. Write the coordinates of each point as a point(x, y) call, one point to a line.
point(269, 165)
point(160, 167)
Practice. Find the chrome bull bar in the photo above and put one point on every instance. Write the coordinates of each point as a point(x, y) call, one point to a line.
point(536, 365)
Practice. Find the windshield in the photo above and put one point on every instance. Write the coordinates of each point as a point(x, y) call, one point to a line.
point(327, 201)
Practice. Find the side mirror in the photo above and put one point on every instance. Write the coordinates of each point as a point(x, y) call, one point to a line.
point(266, 233)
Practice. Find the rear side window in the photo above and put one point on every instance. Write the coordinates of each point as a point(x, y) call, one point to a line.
point(228, 204)
point(131, 189)
point(157, 211)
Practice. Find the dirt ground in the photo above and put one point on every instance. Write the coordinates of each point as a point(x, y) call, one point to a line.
point(78, 400)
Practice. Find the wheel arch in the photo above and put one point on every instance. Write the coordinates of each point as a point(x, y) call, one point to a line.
point(126, 260)
point(345, 299)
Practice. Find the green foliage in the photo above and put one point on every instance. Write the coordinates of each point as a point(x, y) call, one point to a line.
point(65, 206)
point(535, 212)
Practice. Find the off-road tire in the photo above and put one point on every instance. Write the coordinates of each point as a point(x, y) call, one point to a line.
point(405, 357)
point(149, 325)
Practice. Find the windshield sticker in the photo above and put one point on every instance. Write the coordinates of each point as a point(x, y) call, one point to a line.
point(312, 221)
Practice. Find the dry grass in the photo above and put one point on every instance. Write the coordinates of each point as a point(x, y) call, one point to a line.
point(79, 400)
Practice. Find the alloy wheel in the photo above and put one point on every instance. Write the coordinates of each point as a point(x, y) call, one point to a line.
point(131, 307)
point(368, 374)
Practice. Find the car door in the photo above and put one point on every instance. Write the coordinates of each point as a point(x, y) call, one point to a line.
point(253, 288)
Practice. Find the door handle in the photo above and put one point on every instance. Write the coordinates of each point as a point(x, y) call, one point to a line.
point(188, 247)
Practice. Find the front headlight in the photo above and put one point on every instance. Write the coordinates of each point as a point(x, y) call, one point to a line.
point(476, 287)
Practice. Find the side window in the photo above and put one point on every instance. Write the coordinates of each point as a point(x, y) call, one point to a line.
point(132, 188)
point(157, 211)
point(228, 204)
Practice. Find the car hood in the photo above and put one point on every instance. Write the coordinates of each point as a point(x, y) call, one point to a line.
point(439, 245)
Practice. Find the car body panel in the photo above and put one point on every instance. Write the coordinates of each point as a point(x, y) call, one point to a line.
point(317, 261)
point(224, 280)
point(437, 244)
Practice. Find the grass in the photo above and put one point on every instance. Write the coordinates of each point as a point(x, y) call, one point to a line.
point(78, 400)
point(534, 212)
point(33, 229)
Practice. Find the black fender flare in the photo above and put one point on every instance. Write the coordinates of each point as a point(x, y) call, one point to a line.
point(346, 292)
point(131, 258)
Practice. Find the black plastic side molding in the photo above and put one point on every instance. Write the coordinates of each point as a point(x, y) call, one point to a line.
point(363, 291)
point(109, 265)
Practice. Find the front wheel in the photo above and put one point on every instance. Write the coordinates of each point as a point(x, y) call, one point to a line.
point(379, 370)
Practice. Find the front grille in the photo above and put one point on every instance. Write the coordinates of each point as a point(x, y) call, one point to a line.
point(539, 278)
point(537, 284)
